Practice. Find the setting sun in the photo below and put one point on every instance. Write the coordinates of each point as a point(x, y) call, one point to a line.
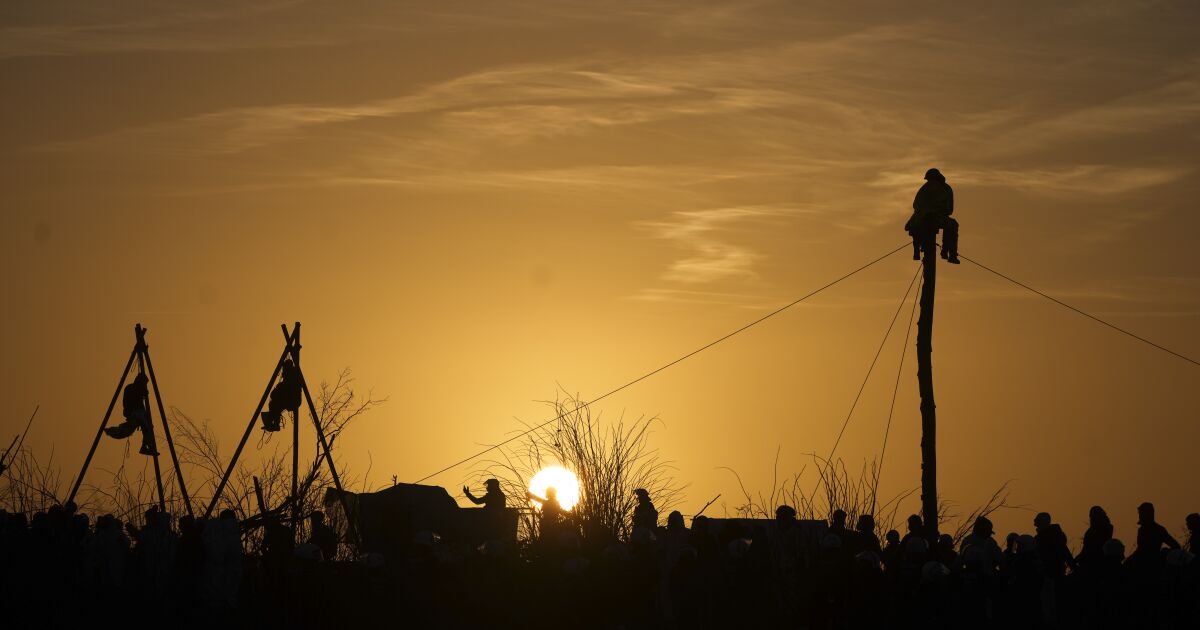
point(559, 478)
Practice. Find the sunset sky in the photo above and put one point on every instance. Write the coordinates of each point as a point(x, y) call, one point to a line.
point(471, 204)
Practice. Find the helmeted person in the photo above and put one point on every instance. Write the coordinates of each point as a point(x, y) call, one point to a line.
point(134, 406)
point(493, 500)
point(645, 515)
point(284, 397)
point(1151, 538)
point(932, 208)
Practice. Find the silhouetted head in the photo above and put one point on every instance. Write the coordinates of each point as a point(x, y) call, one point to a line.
point(1114, 548)
point(642, 495)
point(141, 379)
point(1042, 520)
point(1011, 539)
point(866, 523)
point(914, 524)
point(934, 175)
point(838, 519)
point(983, 527)
point(946, 541)
point(1193, 522)
point(551, 493)
point(675, 520)
point(1146, 513)
point(317, 517)
point(492, 484)
point(892, 537)
point(228, 515)
point(785, 513)
point(1097, 516)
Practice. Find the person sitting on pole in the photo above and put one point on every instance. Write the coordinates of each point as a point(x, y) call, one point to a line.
point(285, 397)
point(932, 208)
point(135, 408)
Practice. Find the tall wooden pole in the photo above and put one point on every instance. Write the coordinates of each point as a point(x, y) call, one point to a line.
point(296, 433)
point(929, 497)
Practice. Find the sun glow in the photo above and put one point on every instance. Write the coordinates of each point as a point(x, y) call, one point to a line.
point(559, 478)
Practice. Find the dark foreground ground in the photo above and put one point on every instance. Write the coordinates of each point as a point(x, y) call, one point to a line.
point(61, 572)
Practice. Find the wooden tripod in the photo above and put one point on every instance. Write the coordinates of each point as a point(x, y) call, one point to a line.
point(141, 353)
point(291, 350)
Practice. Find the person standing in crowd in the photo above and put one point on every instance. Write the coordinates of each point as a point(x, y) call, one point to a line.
point(645, 516)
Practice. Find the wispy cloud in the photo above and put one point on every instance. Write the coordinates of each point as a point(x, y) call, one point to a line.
point(1073, 180)
point(708, 237)
point(609, 178)
point(843, 118)
point(80, 28)
point(1179, 295)
point(684, 296)
point(1139, 112)
point(570, 96)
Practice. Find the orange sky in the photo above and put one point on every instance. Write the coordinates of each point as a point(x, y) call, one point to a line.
point(470, 202)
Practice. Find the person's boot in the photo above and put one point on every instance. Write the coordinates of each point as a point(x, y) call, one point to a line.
point(148, 449)
point(270, 421)
point(950, 243)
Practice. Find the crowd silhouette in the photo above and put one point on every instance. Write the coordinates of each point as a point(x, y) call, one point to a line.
point(59, 568)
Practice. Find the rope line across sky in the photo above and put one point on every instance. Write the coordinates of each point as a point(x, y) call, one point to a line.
point(784, 308)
